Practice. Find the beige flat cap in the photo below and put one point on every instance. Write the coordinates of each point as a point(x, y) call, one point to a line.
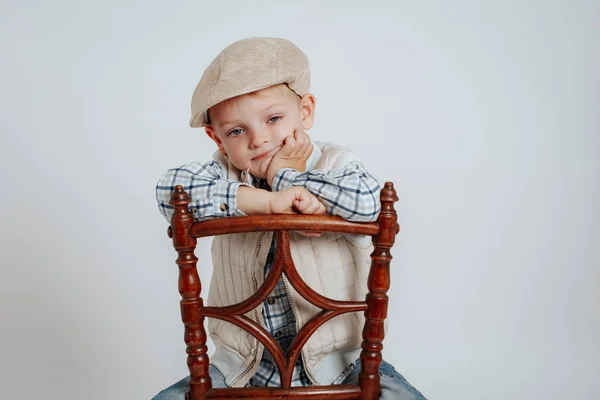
point(246, 66)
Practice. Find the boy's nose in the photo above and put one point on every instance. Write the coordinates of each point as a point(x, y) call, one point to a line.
point(258, 139)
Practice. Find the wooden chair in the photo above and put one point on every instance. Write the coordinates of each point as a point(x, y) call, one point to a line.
point(184, 232)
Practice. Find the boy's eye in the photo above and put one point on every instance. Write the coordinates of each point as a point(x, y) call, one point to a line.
point(274, 119)
point(236, 132)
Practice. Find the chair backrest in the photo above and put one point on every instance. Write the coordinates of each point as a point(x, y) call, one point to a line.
point(184, 232)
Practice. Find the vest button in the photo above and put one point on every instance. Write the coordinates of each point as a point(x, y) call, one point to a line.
point(271, 300)
point(224, 207)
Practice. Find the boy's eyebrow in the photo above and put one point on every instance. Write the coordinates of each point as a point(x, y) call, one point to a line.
point(224, 124)
point(271, 106)
point(236, 122)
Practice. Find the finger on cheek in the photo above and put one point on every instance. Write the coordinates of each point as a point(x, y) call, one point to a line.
point(290, 142)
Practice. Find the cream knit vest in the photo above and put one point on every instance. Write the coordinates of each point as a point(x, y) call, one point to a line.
point(335, 265)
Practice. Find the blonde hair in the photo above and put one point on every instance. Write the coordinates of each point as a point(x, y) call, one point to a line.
point(281, 88)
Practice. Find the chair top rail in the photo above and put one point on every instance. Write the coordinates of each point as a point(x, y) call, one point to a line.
point(288, 222)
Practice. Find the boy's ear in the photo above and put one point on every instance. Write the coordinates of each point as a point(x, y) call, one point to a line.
point(307, 109)
point(213, 135)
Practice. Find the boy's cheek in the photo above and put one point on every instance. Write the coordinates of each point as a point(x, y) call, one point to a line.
point(285, 131)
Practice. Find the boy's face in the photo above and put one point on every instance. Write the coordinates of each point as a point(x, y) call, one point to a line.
point(251, 128)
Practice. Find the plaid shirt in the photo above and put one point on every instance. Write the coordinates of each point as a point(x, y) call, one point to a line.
point(350, 192)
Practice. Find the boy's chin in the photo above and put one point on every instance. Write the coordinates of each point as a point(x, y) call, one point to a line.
point(260, 170)
point(257, 168)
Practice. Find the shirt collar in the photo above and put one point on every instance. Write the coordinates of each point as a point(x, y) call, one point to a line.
point(314, 158)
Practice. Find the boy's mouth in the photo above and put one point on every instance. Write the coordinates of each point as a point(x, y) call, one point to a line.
point(266, 153)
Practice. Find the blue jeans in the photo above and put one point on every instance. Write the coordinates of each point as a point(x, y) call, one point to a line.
point(393, 385)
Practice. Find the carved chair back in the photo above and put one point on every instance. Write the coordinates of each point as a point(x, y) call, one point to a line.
point(184, 232)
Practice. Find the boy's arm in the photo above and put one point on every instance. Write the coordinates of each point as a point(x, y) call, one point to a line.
point(347, 190)
point(212, 195)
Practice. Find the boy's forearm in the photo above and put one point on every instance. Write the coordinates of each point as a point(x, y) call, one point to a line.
point(349, 192)
point(252, 201)
point(212, 195)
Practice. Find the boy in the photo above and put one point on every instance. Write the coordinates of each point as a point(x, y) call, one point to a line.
point(254, 103)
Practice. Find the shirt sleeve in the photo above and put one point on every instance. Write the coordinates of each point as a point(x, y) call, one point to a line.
point(348, 191)
point(212, 195)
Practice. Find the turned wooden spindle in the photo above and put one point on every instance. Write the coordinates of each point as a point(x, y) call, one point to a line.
point(377, 299)
point(189, 288)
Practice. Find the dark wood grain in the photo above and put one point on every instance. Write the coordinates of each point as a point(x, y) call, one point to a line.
point(189, 288)
point(276, 222)
point(184, 232)
point(377, 299)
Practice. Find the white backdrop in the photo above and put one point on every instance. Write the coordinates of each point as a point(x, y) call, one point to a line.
point(484, 114)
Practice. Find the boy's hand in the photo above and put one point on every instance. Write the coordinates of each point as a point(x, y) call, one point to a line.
point(310, 205)
point(296, 149)
point(296, 200)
